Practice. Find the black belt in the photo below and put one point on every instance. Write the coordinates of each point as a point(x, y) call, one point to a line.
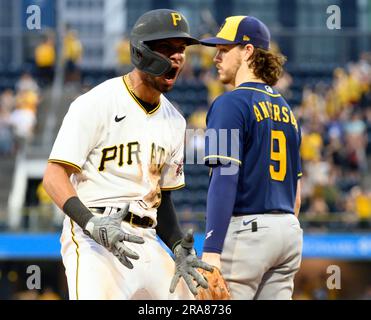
point(133, 219)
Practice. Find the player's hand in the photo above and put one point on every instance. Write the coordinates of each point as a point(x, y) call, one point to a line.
point(107, 232)
point(186, 263)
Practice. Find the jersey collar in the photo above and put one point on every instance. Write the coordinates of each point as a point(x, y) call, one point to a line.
point(152, 111)
point(260, 87)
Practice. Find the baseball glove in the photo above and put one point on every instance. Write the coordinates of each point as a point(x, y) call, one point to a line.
point(218, 288)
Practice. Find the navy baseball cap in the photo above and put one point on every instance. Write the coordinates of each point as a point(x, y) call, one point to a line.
point(241, 30)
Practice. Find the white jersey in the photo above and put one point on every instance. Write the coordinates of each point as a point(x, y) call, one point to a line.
point(123, 153)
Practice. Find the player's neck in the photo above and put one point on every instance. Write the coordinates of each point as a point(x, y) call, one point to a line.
point(245, 74)
point(142, 89)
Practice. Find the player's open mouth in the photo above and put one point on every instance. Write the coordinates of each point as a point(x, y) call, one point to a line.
point(170, 75)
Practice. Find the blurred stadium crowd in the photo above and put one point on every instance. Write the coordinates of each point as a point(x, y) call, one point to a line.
point(336, 144)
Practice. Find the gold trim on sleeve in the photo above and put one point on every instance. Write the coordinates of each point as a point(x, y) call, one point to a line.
point(65, 162)
point(223, 157)
point(172, 188)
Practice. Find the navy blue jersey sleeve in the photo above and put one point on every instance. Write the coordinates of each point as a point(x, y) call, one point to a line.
point(221, 198)
point(226, 125)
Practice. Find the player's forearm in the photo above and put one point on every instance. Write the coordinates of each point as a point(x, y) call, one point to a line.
point(220, 203)
point(168, 228)
point(59, 187)
point(297, 208)
point(57, 184)
point(298, 199)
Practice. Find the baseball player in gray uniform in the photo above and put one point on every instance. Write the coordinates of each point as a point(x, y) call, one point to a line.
point(252, 230)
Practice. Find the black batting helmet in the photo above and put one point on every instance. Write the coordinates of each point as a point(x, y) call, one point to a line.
point(156, 25)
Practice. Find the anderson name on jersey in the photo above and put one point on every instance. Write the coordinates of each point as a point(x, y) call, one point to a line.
point(122, 152)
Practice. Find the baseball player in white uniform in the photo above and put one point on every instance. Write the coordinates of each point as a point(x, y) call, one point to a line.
point(117, 156)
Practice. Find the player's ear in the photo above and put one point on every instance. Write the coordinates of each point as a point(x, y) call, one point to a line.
point(248, 50)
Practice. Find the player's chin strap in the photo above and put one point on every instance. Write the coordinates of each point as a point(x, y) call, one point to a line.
point(149, 61)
